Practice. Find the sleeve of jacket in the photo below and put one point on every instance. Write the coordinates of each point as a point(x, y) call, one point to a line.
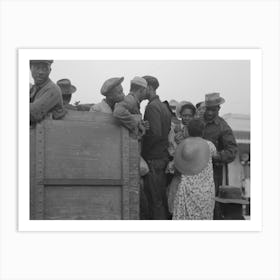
point(41, 106)
point(229, 151)
point(122, 112)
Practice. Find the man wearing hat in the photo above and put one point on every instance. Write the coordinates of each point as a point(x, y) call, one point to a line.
point(67, 89)
point(220, 134)
point(113, 92)
point(128, 111)
point(45, 95)
point(155, 151)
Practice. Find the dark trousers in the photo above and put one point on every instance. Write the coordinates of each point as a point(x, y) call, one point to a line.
point(218, 180)
point(154, 191)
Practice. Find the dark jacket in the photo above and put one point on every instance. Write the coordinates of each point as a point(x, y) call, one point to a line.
point(155, 141)
point(221, 135)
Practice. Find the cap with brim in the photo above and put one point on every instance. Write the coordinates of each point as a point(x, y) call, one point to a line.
point(109, 84)
point(139, 81)
point(213, 99)
point(230, 194)
point(181, 105)
point(49, 62)
point(192, 156)
point(66, 84)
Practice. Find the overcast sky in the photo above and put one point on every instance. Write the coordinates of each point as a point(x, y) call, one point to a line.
point(182, 80)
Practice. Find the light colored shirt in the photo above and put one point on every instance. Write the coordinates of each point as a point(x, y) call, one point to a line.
point(101, 107)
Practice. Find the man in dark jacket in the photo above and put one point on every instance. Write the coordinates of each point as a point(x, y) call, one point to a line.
point(155, 151)
point(220, 134)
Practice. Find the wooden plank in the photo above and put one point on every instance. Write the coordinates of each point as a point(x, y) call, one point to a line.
point(32, 171)
point(40, 160)
point(87, 149)
point(125, 173)
point(83, 203)
point(82, 182)
point(134, 180)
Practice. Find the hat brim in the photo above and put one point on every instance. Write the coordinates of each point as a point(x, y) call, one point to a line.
point(217, 102)
point(73, 89)
point(187, 167)
point(228, 200)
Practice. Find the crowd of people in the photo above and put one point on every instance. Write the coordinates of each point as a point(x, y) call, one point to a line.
point(183, 147)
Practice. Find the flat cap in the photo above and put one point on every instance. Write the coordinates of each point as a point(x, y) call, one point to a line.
point(49, 62)
point(152, 81)
point(110, 84)
point(139, 81)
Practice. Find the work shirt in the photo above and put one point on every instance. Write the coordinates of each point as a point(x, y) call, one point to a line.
point(46, 100)
point(221, 135)
point(127, 112)
point(101, 107)
point(155, 141)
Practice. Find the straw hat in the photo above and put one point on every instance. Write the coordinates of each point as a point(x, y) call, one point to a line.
point(192, 156)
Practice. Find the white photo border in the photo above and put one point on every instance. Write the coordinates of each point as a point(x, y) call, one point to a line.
point(255, 58)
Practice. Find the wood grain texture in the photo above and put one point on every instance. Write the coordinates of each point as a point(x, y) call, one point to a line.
point(86, 203)
point(83, 167)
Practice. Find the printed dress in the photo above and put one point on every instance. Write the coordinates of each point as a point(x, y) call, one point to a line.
point(195, 197)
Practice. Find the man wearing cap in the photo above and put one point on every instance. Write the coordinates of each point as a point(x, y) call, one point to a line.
point(220, 134)
point(67, 89)
point(113, 92)
point(128, 111)
point(45, 96)
point(155, 151)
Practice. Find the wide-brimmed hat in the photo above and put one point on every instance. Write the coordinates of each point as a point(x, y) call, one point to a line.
point(49, 62)
point(139, 81)
point(192, 156)
point(230, 194)
point(182, 104)
point(109, 84)
point(213, 99)
point(65, 84)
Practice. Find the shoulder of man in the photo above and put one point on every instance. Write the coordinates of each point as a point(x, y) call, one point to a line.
point(53, 86)
point(223, 124)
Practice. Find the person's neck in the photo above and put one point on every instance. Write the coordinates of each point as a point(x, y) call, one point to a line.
point(110, 103)
point(152, 97)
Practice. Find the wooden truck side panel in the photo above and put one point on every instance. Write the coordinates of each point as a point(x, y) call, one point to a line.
point(83, 167)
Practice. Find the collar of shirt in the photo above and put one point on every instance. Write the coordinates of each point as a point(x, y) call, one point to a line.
point(153, 98)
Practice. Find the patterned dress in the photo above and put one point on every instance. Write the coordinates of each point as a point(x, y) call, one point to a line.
point(195, 197)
